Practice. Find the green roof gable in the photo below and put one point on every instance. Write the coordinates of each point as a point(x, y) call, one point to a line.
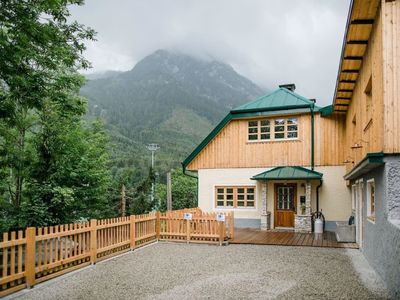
point(288, 173)
point(282, 98)
point(280, 102)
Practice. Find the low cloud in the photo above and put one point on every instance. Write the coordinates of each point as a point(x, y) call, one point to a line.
point(269, 41)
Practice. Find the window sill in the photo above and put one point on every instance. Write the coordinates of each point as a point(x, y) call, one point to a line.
point(272, 141)
point(235, 208)
point(371, 219)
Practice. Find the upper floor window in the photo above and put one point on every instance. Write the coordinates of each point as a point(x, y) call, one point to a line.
point(272, 129)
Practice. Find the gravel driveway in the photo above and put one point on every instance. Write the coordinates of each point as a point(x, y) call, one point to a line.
point(180, 271)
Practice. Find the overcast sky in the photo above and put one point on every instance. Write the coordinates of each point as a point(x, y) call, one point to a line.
point(269, 41)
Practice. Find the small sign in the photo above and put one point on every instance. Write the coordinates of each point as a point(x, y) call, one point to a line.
point(221, 217)
point(187, 216)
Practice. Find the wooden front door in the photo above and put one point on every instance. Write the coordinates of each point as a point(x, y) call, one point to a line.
point(285, 204)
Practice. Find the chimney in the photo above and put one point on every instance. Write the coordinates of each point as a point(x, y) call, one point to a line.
point(290, 86)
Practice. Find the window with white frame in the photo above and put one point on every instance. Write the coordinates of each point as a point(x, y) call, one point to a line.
point(273, 129)
point(371, 199)
point(235, 196)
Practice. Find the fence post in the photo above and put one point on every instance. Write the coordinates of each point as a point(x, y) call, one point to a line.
point(221, 232)
point(187, 231)
point(30, 260)
point(232, 224)
point(158, 225)
point(93, 241)
point(132, 232)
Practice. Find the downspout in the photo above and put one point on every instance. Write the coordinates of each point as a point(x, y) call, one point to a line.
point(193, 176)
point(312, 135)
point(320, 184)
point(322, 216)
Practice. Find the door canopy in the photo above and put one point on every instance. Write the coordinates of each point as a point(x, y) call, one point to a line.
point(288, 173)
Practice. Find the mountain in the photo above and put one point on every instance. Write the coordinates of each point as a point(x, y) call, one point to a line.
point(168, 98)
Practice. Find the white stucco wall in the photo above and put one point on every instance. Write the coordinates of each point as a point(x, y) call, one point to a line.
point(210, 178)
point(335, 197)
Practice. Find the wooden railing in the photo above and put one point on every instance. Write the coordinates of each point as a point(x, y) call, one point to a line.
point(38, 254)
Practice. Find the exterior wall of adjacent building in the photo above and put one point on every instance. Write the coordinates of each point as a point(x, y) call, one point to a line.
point(381, 238)
point(334, 199)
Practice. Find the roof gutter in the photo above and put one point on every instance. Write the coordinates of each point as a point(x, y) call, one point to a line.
point(269, 109)
point(188, 174)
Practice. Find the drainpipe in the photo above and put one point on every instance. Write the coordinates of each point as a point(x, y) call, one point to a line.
point(312, 135)
point(320, 183)
point(321, 215)
point(197, 181)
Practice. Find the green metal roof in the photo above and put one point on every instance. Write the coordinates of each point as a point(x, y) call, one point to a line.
point(369, 162)
point(288, 173)
point(280, 102)
point(326, 111)
point(282, 98)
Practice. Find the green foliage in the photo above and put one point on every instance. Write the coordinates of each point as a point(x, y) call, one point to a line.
point(53, 167)
point(184, 191)
point(141, 202)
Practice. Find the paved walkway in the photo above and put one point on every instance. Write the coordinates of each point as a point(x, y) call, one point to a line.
point(284, 238)
point(180, 271)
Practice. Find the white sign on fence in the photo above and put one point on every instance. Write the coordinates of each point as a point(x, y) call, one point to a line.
point(187, 216)
point(220, 217)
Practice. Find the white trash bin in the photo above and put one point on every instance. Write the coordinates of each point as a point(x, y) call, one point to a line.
point(318, 226)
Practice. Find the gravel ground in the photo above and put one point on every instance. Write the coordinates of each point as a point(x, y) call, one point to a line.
point(180, 271)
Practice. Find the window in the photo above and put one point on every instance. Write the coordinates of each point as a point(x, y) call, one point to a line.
point(276, 129)
point(368, 104)
point(234, 197)
point(371, 199)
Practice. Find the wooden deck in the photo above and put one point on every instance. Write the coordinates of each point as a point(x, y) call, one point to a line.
point(287, 238)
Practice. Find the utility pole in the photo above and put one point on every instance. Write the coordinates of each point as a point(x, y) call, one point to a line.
point(152, 148)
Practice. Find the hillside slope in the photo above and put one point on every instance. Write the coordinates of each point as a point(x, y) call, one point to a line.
point(170, 99)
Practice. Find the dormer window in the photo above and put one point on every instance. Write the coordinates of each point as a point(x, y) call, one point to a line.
point(272, 129)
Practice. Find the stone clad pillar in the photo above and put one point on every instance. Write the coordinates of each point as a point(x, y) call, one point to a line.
point(308, 198)
point(264, 193)
point(265, 216)
point(302, 223)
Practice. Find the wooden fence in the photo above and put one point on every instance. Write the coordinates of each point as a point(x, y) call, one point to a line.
point(38, 254)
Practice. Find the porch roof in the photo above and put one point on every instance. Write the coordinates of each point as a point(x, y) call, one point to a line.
point(288, 173)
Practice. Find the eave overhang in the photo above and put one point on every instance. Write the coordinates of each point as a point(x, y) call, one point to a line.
point(360, 21)
point(370, 162)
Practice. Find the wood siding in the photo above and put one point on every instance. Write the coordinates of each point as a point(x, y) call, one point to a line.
point(230, 148)
point(391, 68)
point(364, 118)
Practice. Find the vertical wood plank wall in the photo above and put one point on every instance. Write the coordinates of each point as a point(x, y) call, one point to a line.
point(230, 148)
point(363, 128)
point(391, 68)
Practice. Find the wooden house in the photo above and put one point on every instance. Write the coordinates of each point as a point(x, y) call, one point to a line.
point(273, 161)
point(279, 158)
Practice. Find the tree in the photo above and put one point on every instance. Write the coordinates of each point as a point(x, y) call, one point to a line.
point(40, 52)
point(184, 191)
point(141, 202)
point(52, 165)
